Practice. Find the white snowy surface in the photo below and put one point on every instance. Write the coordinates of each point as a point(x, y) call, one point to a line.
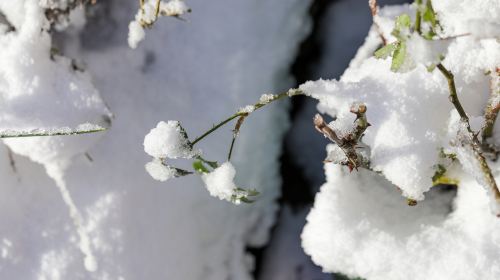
point(360, 224)
point(134, 227)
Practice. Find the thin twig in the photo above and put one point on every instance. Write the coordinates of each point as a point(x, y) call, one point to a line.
point(374, 10)
point(256, 106)
point(236, 132)
point(41, 132)
point(348, 143)
point(493, 106)
point(418, 17)
point(473, 143)
point(453, 93)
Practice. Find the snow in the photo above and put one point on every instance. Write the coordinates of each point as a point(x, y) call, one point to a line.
point(136, 34)
point(220, 182)
point(407, 127)
point(266, 98)
point(139, 228)
point(159, 171)
point(247, 109)
point(437, 239)
point(167, 140)
point(80, 129)
point(174, 8)
point(478, 18)
point(146, 16)
point(360, 224)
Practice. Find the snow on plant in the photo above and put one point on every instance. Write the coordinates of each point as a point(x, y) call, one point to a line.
point(420, 112)
point(148, 13)
point(433, 100)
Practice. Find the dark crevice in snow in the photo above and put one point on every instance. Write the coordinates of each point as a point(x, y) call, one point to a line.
point(296, 190)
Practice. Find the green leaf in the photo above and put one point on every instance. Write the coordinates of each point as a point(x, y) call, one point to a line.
point(385, 51)
point(181, 172)
point(199, 167)
point(399, 56)
point(246, 200)
point(212, 164)
point(250, 192)
point(429, 14)
point(403, 21)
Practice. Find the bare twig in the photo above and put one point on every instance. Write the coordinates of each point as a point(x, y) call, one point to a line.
point(256, 106)
point(471, 141)
point(236, 132)
point(493, 106)
point(374, 10)
point(350, 142)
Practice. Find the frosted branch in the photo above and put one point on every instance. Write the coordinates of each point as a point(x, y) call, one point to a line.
point(60, 131)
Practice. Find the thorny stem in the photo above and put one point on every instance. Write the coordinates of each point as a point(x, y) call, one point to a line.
point(258, 105)
point(474, 144)
point(453, 94)
point(350, 142)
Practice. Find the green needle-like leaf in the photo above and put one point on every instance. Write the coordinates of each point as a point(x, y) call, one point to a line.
point(385, 51)
point(399, 57)
point(199, 167)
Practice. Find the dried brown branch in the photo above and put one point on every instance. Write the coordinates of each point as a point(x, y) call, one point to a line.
point(58, 15)
point(374, 10)
point(351, 141)
point(491, 112)
point(471, 140)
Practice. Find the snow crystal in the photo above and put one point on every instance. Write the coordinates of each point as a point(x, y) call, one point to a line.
point(159, 171)
point(479, 18)
point(247, 109)
point(335, 154)
point(174, 8)
point(220, 182)
point(146, 16)
point(136, 34)
point(266, 98)
point(168, 140)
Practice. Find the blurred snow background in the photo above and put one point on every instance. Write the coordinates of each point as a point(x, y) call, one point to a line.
point(226, 55)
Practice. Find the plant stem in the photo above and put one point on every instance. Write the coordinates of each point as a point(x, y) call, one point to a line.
point(62, 132)
point(256, 106)
point(236, 131)
point(474, 142)
point(453, 93)
point(418, 17)
point(493, 107)
point(214, 128)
